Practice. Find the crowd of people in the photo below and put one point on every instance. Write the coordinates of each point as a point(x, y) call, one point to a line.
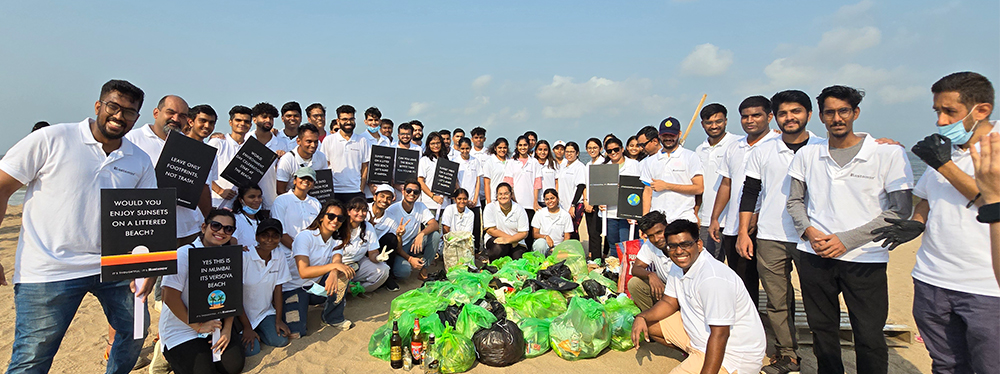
point(762, 203)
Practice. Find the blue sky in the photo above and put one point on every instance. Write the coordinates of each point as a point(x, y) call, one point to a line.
point(568, 69)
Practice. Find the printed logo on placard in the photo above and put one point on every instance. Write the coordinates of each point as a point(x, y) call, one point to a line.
point(216, 299)
point(633, 199)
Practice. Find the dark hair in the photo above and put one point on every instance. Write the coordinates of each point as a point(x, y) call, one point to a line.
point(756, 101)
point(264, 108)
point(649, 132)
point(315, 106)
point(790, 96)
point(239, 109)
point(458, 130)
point(519, 139)
point(551, 159)
point(574, 145)
point(458, 192)
point(125, 88)
point(357, 203)
point(614, 140)
point(202, 109)
point(492, 150)
point(530, 133)
point(291, 106)
point(972, 88)
point(405, 126)
point(464, 140)
point(849, 94)
point(599, 144)
point(39, 125)
point(637, 157)
point(709, 110)
point(322, 212)
point(373, 112)
point(444, 132)
point(478, 131)
point(409, 182)
point(417, 123)
point(681, 226)
point(505, 184)
point(651, 219)
point(345, 109)
point(443, 153)
point(308, 127)
point(386, 121)
point(550, 191)
point(215, 212)
point(238, 204)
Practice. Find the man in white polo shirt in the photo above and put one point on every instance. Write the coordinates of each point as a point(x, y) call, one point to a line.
point(305, 155)
point(58, 258)
point(672, 174)
point(416, 232)
point(650, 268)
point(841, 190)
point(291, 117)
point(223, 191)
point(348, 154)
point(263, 117)
point(956, 299)
point(373, 134)
point(710, 152)
point(704, 310)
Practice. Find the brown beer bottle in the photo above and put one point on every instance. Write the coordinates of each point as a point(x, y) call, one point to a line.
point(417, 344)
point(396, 347)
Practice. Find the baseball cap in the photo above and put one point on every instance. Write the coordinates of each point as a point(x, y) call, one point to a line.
point(559, 143)
point(268, 223)
point(306, 172)
point(671, 126)
point(385, 188)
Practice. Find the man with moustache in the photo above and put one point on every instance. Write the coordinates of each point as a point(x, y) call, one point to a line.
point(405, 134)
point(386, 130)
point(58, 259)
point(418, 133)
point(348, 155)
point(671, 173)
point(841, 190)
point(263, 116)
point(223, 191)
point(305, 155)
point(291, 116)
point(711, 151)
point(456, 136)
point(316, 115)
point(767, 181)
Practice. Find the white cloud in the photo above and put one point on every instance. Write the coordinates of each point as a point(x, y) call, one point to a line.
point(520, 116)
point(786, 73)
point(707, 60)
point(477, 103)
point(849, 40)
point(564, 98)
point(418, 108)
point(481, 82)
point(853, 13)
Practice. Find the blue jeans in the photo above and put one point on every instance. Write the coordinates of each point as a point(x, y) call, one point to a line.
point(618, 230)
point(268, 334)
point(297, 304)
point(401, 268)
point(961, 330)
point(43, 312)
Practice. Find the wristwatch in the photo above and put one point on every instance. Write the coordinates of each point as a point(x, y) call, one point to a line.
point(989, 213)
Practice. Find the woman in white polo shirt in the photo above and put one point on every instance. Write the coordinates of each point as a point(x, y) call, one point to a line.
point(264, 270)
point(569, 178)
point(458, 216)
point(525, 177)
point(248, 210)
point(185, 348)
point(551, 225)
point(360, 247)
point(435, 150)
point(493, 168)
point(547, 165)
point(506, 225)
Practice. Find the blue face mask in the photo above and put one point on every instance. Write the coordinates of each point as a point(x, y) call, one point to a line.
point(956, 131)
point(373, 129)
point(250, 211)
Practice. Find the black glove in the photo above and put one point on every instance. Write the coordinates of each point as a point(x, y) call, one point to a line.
point(900, 231)
point(935, 150)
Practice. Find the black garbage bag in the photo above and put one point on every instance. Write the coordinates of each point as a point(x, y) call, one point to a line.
point(594, 289)
point(497, 284)
point(608, 274)
point(491, 269)
point(449, 316)
point(557, 283)
point(475, 270)
point(494, 307)
point(438, 276)
point(558, 269)
point(533, 284)
point(500, 345)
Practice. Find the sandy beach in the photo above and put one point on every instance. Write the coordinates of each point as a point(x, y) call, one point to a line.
point(331, 351)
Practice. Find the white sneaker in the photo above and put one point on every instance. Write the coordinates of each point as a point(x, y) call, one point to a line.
point(343, 326)
point(158, 364)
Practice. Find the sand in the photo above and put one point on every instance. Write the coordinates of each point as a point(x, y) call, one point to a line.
point(329, 350)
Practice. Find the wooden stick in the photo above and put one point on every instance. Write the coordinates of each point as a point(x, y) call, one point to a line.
point(693, 118)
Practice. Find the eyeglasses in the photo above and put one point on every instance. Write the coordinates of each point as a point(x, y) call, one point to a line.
point(614, 150)
point(216, 226)
point(112, 108)
point(843, 112)
point(411, 191)
point(335, 216)
point(687, 244)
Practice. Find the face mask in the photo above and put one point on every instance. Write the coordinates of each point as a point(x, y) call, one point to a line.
point(956, 131)
point(250, 211)
point(373, 129)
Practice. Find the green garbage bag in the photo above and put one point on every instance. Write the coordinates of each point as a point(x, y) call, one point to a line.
point(418, 303)
point(515, 275)
point(430, 325)
point(581, 332)
point(466, 276)
point(537, 304)
point(500, 262)
point(621, 313)
point(472, 318)
point(467, 290)
point(454, 351)
point(572, 252)
point(574, 293)
point(534, 260)
point(600, 278)
point(536, 336)
point(378, 344)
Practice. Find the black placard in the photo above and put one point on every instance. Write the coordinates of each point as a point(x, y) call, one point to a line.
point(407, 161)
point(630, 197)
point(138, 233)
point(249, 164)
point(323, 189)
point(215, 283)
point(603, 186)
point(184, 164)
point(445, 175)
point(380, 165)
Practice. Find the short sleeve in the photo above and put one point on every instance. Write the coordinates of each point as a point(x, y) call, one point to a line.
point(366, 150)
point(216, 142)
point(568, 222)
point(899, 176)
point(422, 167)
point(23, 161)
point(724, 165)
point(645, 253)
point(753, 163)
point(148, 178)
point(278, 209)
point(645, 175)
point(284, 275)
point(489, 215)
point(717, 297)
point(448, 218)
point(370, 238)
point(213, 175)
point(694, 165)
point(522, 220)
point(797, 168)
point(670, 286)
point(425, 214)
point(284, 174)
point(536, 221)
point(179, 280)
point(921, 189)
point(301, 244)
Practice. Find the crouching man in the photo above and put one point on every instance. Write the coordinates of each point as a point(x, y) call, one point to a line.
point(705, 310)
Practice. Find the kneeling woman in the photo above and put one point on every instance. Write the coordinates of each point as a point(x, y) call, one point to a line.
point(506, 225)
point(187, 350)
point(360, 247)
point(264, 270)
point(320, 267)
point(551, 225)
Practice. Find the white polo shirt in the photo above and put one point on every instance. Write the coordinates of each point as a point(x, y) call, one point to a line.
point(295, 215)
point(269, 182)
point(458, 221)
point(357, 249)
point(711, 294)
point(64, 169)
point(412, 146)
point(309, 243)
point(555, 225)
point(468, 174)
point(711, 158)
point(288, 143)
point(226, 151)
point(382, 226)
point(512, 223)
point(548, 179)
point(569, 177)
point(842, 198)
point(246, 230)
point(768, 162)
point(259, 280)
point(656, 259)
point(523, 174)
point(482, 157)
point(346, 157)
point(734, 167)
point(292, 161)
point(173, 331)
point(953, 253)
point(628, 168)
point(426, 169)
point(381, 140)
point(417, 216)
point(493, 169)
point(678, 167)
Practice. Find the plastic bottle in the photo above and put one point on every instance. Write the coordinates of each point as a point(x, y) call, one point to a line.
point(395, 348)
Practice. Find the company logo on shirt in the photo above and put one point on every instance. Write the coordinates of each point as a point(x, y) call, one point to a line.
point(869, 177)
point(123, 170)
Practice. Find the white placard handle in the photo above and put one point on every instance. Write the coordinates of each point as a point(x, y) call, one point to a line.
point(138, 326)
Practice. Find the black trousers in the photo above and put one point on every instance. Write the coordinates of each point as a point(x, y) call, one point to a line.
point(746, 269)
point(598, 249)
point(389, 240)
point(477, 223)
point(530, 238)
point(495, 251)
point(195, 357)
point(866, 292)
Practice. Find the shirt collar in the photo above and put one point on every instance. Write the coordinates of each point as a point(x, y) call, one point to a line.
point(868, 146)
point(124, 149)
point(783, 148)
point(698, 264)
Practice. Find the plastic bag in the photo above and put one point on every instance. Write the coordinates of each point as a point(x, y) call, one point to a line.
point(621, 314)
point(572, 252)
point(500, 345)
point(458, 246)
point(534, 260)
point(494, 307)
point(558, 269)
point(431, 324)
point(514, 275)
point(449, 315)
point(454, 351)
point(472, 318)
point(523, 265)
point(378, 344)
point(418, 303)
point(602, 278)
point(581, 332)
point(538, 304)
point(594, 290)
point(536, 336)
point(500, 262)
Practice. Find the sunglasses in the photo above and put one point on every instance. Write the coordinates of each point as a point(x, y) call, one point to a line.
point(334, 216)
point(411, 191)
point(614, 150)
point(227, 229)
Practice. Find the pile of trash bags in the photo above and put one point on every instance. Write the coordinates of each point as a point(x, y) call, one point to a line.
point(514, 309)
